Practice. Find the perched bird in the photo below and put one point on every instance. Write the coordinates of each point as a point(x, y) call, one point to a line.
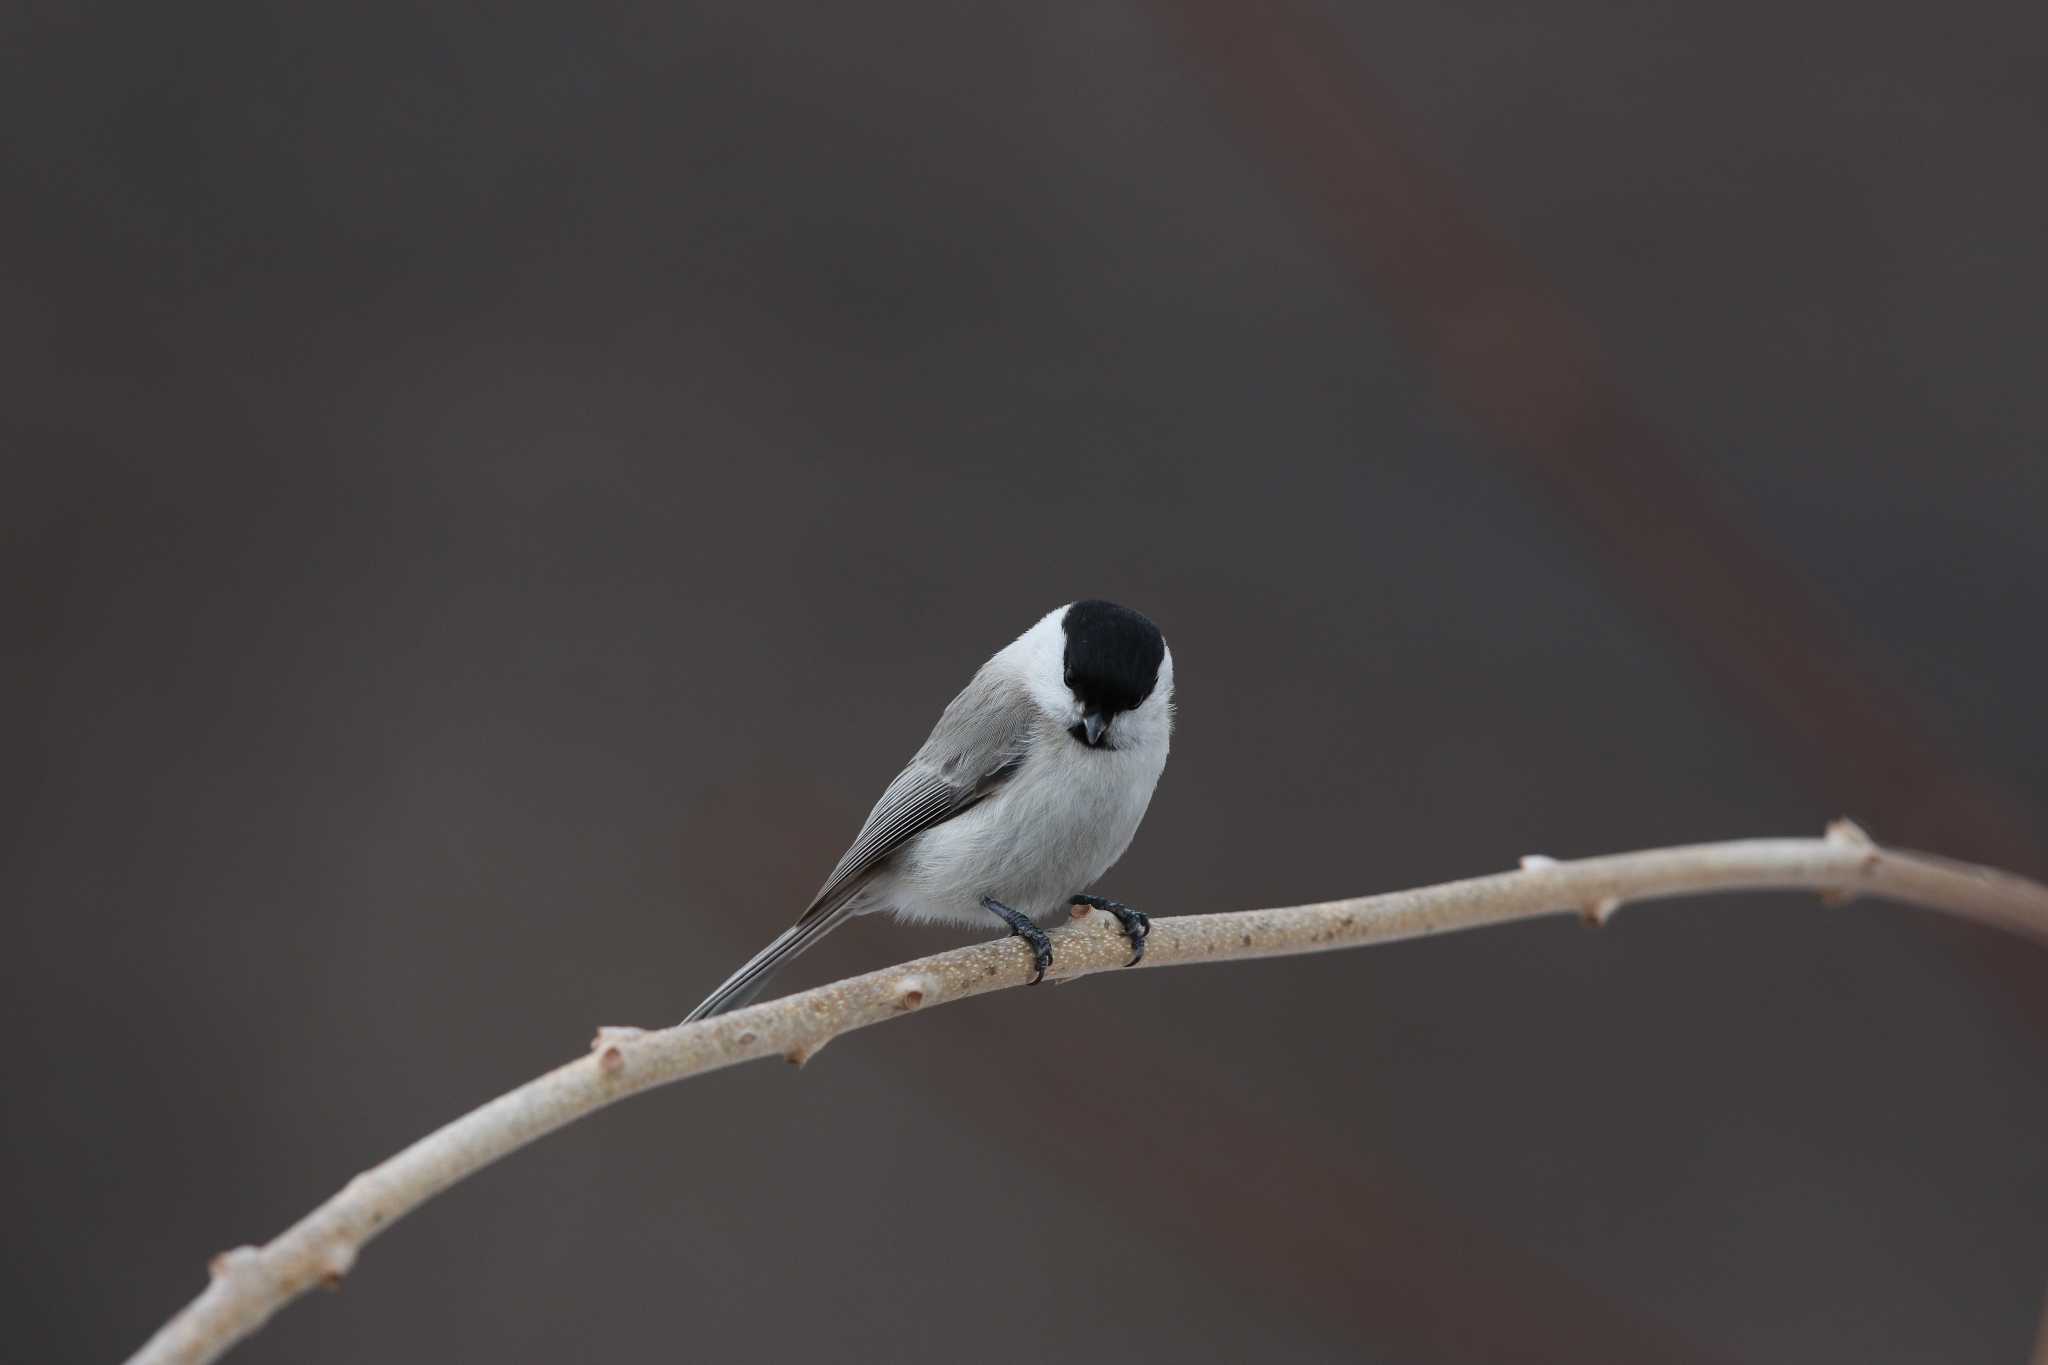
point(1030, 787)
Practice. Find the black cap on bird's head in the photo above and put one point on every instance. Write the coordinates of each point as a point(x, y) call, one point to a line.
point(1112, 663)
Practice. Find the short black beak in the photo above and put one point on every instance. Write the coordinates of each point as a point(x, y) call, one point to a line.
point(1094, 724)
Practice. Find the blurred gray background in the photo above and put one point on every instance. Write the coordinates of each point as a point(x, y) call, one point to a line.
point(491, 493)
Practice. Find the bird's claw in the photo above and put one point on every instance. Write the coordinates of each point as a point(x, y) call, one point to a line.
point(1041, 952)
point(1022, 927)
point(1137, 925)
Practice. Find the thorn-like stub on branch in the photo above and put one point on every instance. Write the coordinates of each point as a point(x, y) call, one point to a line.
point(1600, 911)
point(1846, 833)
point(611, 1061)
point(225, 1264)
point(340, 1259)
point(615, 1033)
point(910, 992)
point(1532, 862)
point(1849, 834)
point(803, 1052)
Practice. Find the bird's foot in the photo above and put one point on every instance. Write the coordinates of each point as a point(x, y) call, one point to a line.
point(1022, 927)
point(1137, 927)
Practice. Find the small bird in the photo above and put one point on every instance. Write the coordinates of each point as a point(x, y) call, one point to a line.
point(1032, 784)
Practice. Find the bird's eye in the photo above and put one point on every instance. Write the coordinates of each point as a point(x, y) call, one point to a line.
point(1068, 678)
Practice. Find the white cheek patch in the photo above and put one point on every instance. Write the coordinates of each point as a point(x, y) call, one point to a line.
point(1038, 657)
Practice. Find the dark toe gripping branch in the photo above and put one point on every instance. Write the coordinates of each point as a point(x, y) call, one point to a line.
point(1022, 927)
point(1136, 925)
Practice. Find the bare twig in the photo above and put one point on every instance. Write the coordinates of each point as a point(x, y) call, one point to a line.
point(251, 1283)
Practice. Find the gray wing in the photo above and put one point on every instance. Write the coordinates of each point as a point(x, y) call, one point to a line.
point(978, 744)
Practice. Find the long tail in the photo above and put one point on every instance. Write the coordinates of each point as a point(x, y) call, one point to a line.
point(743, 985)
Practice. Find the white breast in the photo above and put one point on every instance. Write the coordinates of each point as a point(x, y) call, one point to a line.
point(1047, 833)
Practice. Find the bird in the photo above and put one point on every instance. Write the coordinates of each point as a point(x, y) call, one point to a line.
point(1029, 789)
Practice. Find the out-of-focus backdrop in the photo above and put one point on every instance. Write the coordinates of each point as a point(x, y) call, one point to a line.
point(493, 492)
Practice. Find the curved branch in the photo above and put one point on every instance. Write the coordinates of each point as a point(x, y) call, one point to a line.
point(251, 1283)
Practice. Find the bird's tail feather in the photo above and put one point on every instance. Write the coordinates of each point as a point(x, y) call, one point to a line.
point(743, 985)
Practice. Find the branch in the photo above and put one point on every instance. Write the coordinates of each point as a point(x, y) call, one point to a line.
point(251, 1283)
